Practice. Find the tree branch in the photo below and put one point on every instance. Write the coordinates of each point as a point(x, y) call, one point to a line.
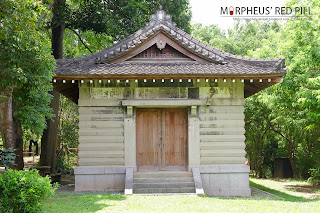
point(279, 133)
point(80, 39)
point(44, 14)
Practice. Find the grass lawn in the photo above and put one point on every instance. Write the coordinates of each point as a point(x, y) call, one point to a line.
point(292, 196)
point(289, 189)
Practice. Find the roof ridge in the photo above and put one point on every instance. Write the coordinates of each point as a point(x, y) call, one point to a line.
point(252, 59)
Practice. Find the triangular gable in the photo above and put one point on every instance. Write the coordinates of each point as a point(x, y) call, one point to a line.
point(159, 47)
point(154, 52)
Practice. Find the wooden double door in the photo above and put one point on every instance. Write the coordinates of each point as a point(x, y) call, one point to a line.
point(162, 142)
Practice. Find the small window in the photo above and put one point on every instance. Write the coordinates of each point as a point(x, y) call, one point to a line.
point(193, 93)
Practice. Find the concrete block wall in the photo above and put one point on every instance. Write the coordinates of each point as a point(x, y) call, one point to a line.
point(100, 178)
point(222, 124)
point(222, 135)
point(225, 180)
point(101, 136)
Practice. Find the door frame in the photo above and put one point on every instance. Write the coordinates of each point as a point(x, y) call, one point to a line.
point(162, 155)
point(193, 159)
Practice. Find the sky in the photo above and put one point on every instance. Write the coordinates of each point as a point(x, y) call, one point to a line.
point(207, 12)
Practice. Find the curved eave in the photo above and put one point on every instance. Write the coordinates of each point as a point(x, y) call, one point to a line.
point(171, 76)
point(68, 85)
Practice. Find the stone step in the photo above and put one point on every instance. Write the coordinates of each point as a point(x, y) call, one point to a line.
point(163, 180)
point(163, 190)
point(162, 174)
point(163, 185)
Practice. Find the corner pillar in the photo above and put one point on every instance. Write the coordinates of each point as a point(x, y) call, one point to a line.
point(194, 138)
point(130, 138)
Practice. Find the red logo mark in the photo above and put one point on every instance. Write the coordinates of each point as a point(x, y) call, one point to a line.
point(231, 10)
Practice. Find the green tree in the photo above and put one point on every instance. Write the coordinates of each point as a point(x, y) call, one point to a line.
point(119, 18)
point(296, 101)
point(84, 42)
point(97, 24)
point(25, 72)
point(67, 134)
point(245, 36)
point(261, 144)
point(211, 35)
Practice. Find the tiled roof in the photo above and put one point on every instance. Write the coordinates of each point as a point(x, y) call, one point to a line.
point(166, 69)
point(219, 62)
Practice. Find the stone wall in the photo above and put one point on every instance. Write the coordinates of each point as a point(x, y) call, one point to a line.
point(101, 136)
point(222, 125)
point(215, 135)
point(100, 178)
point(225, 180)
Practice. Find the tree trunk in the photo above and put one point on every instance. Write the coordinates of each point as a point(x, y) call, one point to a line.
point(57, 31)
point(296, 173)
point(18, 144)
point(11, 129)
point(6, 119)
point(291, 149)
point(49, 137)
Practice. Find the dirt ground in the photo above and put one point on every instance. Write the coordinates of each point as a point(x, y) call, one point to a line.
point(66, 184)
point(29, 160)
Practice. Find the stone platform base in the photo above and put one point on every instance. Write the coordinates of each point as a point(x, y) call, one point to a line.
point(225, 180)
point(100, 178)
point(217, 180)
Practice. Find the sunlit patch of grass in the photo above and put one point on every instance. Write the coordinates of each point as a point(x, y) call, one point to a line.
point(295, 189)
point(287, 201)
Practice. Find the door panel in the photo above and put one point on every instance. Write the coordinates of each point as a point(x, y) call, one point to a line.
point(162, 139)
point(148, 139)
point(175, 140)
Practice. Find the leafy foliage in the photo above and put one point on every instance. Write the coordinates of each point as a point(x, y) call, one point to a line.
point(7, 157)
point(211, 35)
point(25, 62)
point(119, 18)
point(22, 191)
point(242, 38)
point(314, 176)
point(261, 144)
point(94, 25)
point(73, 47)
point(67, 134)
point(295, 115)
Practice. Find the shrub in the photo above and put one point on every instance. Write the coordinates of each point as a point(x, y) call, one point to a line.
point(314, 179)
point(7, 157)
point(22, 191)
point(66, 162)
